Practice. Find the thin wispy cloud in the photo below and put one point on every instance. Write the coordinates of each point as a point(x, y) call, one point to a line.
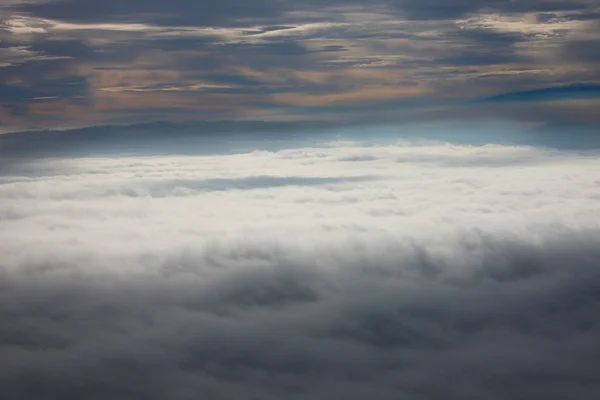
point(287, 56)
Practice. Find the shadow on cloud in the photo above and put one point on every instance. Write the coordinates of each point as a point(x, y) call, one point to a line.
point(493, 318)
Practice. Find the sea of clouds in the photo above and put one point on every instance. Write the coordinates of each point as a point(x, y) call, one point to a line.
point(345, 270)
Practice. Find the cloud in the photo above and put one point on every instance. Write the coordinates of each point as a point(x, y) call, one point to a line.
point(323, 59)
point(156, 11)
point(386, 269)
point(236, 12)
point(581, 50)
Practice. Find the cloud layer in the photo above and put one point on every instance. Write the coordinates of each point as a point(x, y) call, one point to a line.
point(86, 62)
point(347, 270)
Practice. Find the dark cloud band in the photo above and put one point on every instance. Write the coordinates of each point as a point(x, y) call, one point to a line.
point(500, 318)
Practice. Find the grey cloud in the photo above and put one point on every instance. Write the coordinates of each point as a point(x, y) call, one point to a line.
point(230, 79)
point(11, 93)
point(63, 48)
point(280, 48)
point(93, 49)
point(466, 58)
point(47, 71)
point(333, 48)
point(161, 188)
point(436, 9)
point(16, 97)
point(181, 43)
point(390, 325)
point(433, 281)
point(582, 51)
point(234, 12)
point(272, 28)
point(154, 11)
point(480, 47)
point(482, 36)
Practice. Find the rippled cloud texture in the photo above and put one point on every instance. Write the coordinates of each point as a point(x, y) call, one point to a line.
point(398, 271)
point(80, 63)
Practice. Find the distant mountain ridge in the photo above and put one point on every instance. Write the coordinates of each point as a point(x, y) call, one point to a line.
point(180, 126)
point(176, 137)
point(578, 90)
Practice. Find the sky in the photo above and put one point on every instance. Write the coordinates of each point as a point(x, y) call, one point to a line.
point(75, 63)
point(304, 200)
